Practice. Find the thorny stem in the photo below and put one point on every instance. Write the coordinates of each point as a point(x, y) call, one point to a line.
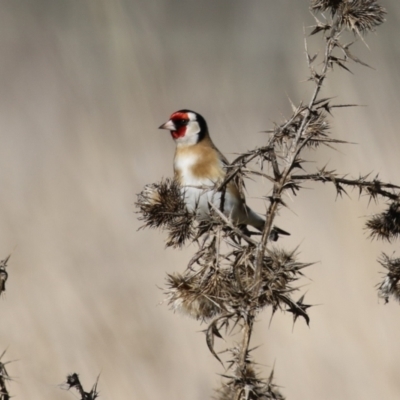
point(3, 390)
point(4, 394)
point(248, 329)
point(73, 381)
point(233, 227)
point(373, 186)
point(295, 149)
point(275, 200)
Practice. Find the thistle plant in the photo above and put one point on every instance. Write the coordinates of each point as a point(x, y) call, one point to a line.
point(74, 382)
point(234, 274)
point(4, 378)
point(3, 274)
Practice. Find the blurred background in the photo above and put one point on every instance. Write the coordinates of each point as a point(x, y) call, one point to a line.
point(83, 87)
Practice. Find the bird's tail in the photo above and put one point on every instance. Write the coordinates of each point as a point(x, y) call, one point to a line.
point(254, 219)
point(257, 222)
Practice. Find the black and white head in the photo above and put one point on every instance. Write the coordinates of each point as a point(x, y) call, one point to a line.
point(187, 127)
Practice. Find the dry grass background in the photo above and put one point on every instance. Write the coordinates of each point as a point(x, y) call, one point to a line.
point(83, 87)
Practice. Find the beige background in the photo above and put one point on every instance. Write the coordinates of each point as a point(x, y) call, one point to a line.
point(83, 87)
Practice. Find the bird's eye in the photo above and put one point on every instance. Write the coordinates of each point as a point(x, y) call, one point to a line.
point(180, 121)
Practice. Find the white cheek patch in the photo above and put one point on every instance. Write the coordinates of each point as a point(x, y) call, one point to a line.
point(192, 129)
point(192, 132)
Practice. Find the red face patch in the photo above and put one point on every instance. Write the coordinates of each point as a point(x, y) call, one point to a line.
point(179, 133)
point(180, 120)
point(179, 115)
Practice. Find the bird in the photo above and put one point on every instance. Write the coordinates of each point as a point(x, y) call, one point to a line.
point(199, 167)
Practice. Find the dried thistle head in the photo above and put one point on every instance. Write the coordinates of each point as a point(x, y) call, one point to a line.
point(162, 205)
point(390, 285)
point(200, 291)
point(249, 385)
point(316, 132)
point(214, 288)
point(280, 269)
point(323, 5)
point(198, 295)
point(358, 16)
point(317, 128)
point(160, 202)
point(386, 225)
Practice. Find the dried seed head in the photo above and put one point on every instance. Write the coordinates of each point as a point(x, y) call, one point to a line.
point(280, 270)
point(323, 5)
point(317, 128)
point(251, 387)
point(180, 229)
point(160, 202)
point(387, 224)
point(197, 295)
point(358, 16)
point(216, 282)
point(390, 285)
point(205, 288)
point(162, 205)
point(316, 132)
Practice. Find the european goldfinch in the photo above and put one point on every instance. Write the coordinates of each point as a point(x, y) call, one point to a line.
point(199, 167)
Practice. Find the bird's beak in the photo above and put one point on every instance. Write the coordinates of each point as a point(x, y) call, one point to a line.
point(168, 125)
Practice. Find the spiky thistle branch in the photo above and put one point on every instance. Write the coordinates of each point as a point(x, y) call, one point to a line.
point(73, 381)
point(308, 127)
point(233, 275)
point(4, 378)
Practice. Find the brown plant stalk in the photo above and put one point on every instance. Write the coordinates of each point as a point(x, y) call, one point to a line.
point(281, 180)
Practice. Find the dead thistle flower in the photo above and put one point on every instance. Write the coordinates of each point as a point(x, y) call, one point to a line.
point(361, 16)
point(317, 129)
point(386, 225)
point(206, 287)
point(316, 132)
point(211, 289)
point(162, 205)
point(358, 16)
point(246, 384)
point(390, 285)
point(280, 270)
point(198, 295)
point(323, 5)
